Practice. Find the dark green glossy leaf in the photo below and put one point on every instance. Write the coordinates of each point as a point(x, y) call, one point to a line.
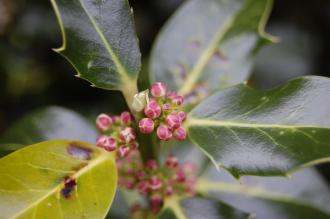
point(210, 42)
point(57, 179)
point(99, 40)
point(47, 124)
point(254, 132)
point(304, 195)
point(198, 208)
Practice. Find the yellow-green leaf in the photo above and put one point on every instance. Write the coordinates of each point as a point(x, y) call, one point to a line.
point(57, 179)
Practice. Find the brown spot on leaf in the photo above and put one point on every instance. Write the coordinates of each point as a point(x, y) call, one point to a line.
point(79, 151)
point(69, 186)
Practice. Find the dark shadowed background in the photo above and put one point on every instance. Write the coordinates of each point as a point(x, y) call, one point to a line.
point(33, 76)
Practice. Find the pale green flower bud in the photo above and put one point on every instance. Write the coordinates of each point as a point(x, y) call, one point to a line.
point(140, 100)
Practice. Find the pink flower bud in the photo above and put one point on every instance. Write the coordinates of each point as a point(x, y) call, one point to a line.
point(134, 145)
point(164, 133)
point(143, 187)
point(112, 144)
point(116, 120)
point(178, 100)
point(127, 135)
point(169, 191)
point(182, 115)
point(189, 168)
point(101, 140)
point(173, 121)
point(151, 165)
point(103, 122)
point(166, 107)
point(158, 89)
point(171, 95)
point(108, 143)
point(136, 208)
point(180, 176)
point(171, 161)
point(156, 201)
point(140, 175)
point(125, 118)
point(152, 109)
point(180, 134)
point(129, 183)
point(155, 183)
point(146, 125)
point(123, 151)
point(129, 170)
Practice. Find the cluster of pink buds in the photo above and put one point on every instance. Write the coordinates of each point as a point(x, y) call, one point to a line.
point(117, 133)
point(161, 112)
point(156, 182)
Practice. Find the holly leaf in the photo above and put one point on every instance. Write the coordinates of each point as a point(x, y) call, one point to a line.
point(64, 179)
point(99, 40)
point(199, 207)
point(9, 148)
point(273, 132)
point(210, 44)
point(46, 124)
point(304, 195)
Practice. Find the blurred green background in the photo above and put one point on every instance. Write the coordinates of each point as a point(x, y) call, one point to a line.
point(33, 76)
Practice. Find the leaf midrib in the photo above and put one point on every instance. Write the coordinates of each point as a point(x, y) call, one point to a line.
point(82, 171)
point(119, 66)
point(205, 122)
point(205, 186)
point(203, 59)
point(121, 70)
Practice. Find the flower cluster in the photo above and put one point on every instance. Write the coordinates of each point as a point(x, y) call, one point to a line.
point(161, 112)
point(156, 182)
point(117, 133)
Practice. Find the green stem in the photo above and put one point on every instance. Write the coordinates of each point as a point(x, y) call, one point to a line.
point(128, 92)
point(148, 143)
point(148, 146)
point(173, 203)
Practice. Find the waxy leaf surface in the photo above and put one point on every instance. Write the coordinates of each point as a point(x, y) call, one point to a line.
point(303, 195)
point(254, 132)
point(57, 179)
point(46, 124)
point(50, 123)
point(99, 40)
point(210, 43)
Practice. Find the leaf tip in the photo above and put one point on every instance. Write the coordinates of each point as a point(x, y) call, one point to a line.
point(251, 216)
